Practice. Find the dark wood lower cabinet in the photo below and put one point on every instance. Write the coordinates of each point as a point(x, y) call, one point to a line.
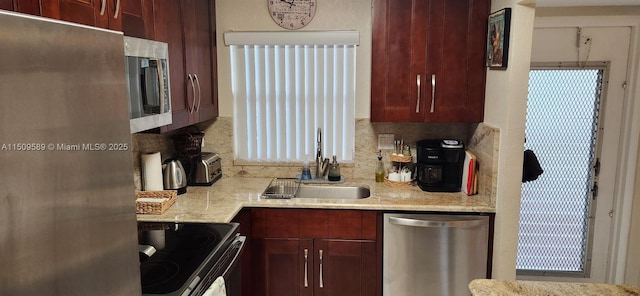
point(279, 267)
point(313, 253)
point(348, 267)
point(305, 267)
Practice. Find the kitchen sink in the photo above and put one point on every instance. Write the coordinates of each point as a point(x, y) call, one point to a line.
point(332, 191)
point(284, 188)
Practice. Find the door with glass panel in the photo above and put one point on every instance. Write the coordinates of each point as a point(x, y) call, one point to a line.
point(565, 110)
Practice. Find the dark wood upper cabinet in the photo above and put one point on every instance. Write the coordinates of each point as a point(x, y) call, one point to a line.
point(24, 6)
point(6, 5)
point(97, 13)
point(133, 17)
point(137, 18)
point(189, 28)
point(200, 34)
point(428, 61)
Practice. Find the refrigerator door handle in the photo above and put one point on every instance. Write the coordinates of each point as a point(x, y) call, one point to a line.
point(435, 223)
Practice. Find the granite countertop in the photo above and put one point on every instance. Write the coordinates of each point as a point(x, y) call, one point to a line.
point(225, 198)
point(482, 287)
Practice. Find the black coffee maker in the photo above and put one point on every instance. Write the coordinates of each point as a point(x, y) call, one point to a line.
point(439, 165)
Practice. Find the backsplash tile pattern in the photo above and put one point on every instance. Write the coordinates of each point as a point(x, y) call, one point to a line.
point(219, 138)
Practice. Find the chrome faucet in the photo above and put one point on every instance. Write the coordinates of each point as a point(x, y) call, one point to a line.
point(322, 164)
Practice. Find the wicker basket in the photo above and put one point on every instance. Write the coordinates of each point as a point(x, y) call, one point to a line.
point(188, 143)
point(151, 207)
point(397, 184)
point(400, 158)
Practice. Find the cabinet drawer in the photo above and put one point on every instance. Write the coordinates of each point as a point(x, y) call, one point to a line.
point(310, 223)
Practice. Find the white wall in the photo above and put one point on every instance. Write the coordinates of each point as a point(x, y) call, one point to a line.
point(253, 15)
point(505, 108)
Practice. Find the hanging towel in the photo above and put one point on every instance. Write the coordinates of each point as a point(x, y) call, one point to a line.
point(217, 288)
point(531, 168)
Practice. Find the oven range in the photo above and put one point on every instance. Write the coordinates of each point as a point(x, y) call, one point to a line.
point(186, 258)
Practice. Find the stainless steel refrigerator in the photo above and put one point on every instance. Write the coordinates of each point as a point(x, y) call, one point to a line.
point(67, 205)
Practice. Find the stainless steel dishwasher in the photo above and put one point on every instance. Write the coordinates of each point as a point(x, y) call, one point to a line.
point(431, 254)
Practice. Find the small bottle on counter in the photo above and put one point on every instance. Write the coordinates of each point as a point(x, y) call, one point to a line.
point(306, 172)
point(334, 170)
point(380, 168)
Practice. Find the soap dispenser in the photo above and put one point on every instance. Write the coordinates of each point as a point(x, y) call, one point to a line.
point(334, 170)
point(380, 168)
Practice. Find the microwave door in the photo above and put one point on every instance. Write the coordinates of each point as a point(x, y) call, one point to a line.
point(132, 64)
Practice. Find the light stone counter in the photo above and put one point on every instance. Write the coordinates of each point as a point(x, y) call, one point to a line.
point(225, 198)
point(526, 288)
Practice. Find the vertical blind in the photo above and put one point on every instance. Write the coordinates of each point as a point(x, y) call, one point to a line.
point(284, 91)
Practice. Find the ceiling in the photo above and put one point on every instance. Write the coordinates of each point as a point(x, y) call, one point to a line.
point(570, 3)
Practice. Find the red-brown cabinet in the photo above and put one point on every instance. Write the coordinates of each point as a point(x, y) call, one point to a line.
point(24, 6)
point(133, 17)
point(97, 13)
point(137, 18)
point(428, 60)
point(314, 252)
point(189, 28)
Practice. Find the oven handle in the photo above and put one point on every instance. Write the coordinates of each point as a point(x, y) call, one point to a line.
point(236, 256)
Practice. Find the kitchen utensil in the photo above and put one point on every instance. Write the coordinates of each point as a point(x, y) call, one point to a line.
point(206, 169)
point(174, 176)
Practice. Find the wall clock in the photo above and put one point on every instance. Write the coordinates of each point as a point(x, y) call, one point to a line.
point(292, 14)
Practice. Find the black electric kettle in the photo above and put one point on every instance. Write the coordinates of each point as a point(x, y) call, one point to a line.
point(174, 176)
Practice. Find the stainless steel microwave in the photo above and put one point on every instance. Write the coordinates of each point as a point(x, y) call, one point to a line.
point(147, 70)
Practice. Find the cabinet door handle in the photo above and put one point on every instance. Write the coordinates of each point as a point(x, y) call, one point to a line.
point(306, 268)
point(193, 88)
point(433, 92)
point(418, 101)
point(195, 77)
point(103, 5)
point(321, 280)
point(115, 14)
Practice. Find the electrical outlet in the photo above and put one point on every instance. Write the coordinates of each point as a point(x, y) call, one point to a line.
point(385, 141)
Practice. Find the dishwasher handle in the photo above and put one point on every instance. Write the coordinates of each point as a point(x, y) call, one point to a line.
point(436, 223)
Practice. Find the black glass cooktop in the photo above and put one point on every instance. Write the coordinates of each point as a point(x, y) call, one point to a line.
point(183, 251)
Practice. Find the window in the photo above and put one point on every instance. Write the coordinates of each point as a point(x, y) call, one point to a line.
point(284, 91)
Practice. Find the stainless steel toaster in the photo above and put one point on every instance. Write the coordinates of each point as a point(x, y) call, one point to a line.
point(207, 169)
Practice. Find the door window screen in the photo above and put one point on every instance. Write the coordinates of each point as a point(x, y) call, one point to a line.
point(561, 128)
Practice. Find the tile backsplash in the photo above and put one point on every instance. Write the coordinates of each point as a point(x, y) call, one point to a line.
point(481, 139)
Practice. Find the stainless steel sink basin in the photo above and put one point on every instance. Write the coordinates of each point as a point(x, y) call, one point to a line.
point(285, 188)
point(332, 191)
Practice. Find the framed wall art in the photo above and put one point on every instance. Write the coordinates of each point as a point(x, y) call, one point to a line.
point(498, 39)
